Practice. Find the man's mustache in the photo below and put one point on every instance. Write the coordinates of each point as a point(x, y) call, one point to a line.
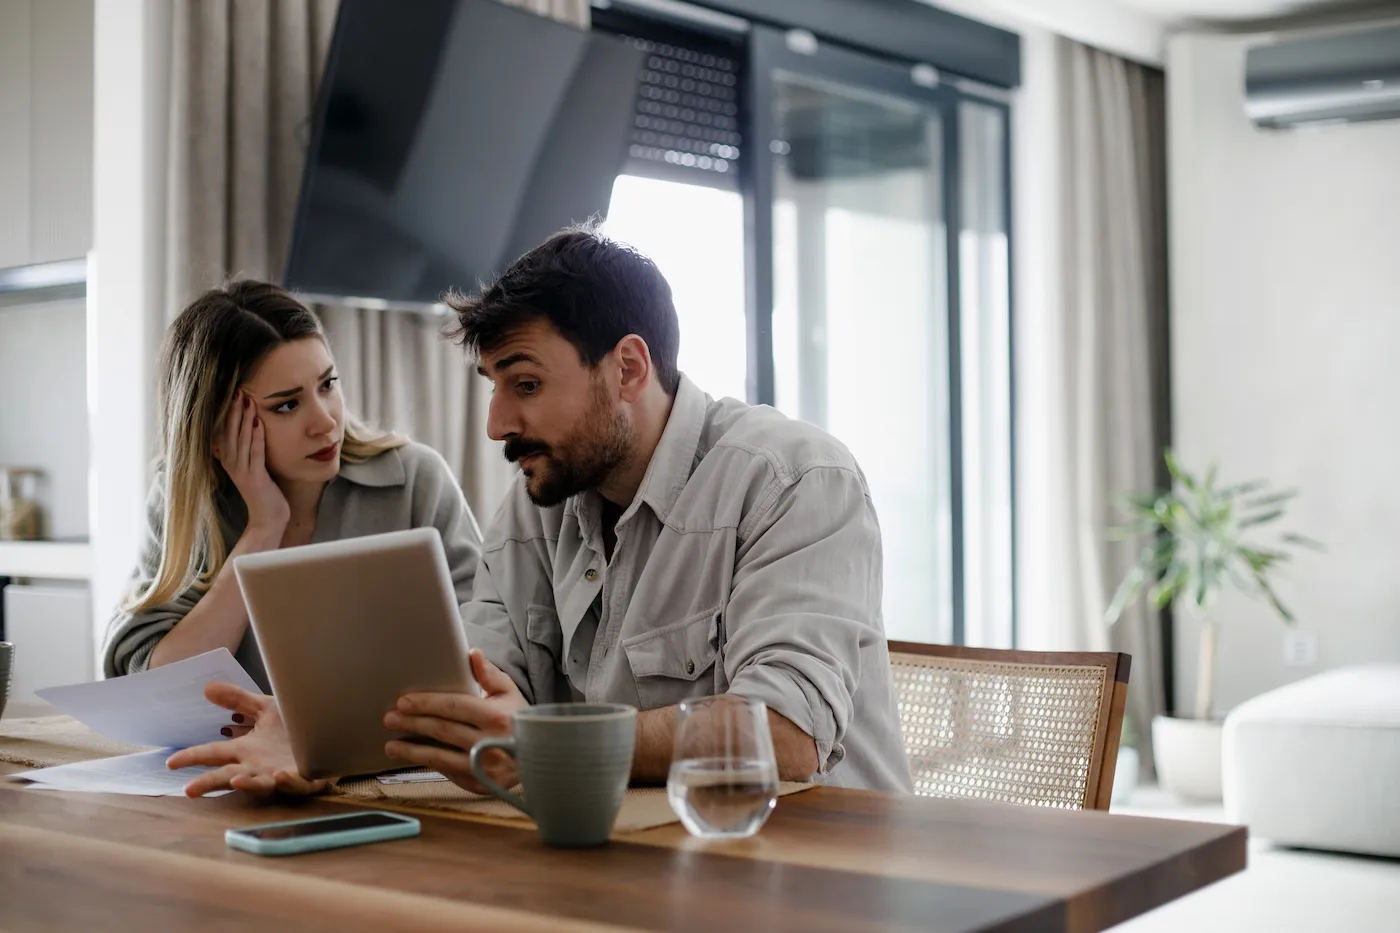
point(518, 447)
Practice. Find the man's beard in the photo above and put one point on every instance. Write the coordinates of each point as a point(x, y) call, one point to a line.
point(583, 461)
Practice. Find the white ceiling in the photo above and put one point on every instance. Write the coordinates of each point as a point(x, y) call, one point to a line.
point(1138, 29)
point(1224, 11)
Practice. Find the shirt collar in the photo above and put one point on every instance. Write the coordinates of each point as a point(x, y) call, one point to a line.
point(382, 470)
point(674, 458)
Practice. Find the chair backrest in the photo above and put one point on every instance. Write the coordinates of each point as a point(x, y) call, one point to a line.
point(1025, 727)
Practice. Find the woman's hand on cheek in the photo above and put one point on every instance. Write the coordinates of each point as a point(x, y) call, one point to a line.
point(242, 449)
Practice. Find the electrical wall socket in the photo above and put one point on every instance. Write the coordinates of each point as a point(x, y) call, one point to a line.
point(1299, 649)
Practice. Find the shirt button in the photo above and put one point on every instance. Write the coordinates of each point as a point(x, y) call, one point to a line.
point(590, 575)
point(690, 667)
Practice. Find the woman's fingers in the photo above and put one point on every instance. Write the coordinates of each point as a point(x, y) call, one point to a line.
point(290, 782)
point(226, 441)
point(208, 755)
point(262, 785)
point(240, 701)
point(257, 454)
point(253, 780)
point(210, 781)
point(245, 436)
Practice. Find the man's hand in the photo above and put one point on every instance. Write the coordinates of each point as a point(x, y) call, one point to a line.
point(459, 720)
point(259, 762)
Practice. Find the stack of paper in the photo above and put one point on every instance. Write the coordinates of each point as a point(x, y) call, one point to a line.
point(143, 773)
point(164, 707)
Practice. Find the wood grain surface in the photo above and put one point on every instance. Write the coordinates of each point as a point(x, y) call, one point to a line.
point(827, 860)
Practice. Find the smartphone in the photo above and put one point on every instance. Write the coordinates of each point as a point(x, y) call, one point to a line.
point(322, 832)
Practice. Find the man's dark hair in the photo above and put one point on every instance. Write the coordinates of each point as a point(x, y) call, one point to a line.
point(594, 291)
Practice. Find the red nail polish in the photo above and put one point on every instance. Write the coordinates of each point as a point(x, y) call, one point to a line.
point(238, 717)
point(226, 731)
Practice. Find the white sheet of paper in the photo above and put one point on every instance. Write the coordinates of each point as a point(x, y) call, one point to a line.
point(143, 773)
point(164, 706)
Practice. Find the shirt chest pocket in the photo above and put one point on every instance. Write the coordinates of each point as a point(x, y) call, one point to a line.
point(544, 653)
point(679, 661)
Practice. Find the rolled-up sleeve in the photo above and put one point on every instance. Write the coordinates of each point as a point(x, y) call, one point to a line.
point(805, 597)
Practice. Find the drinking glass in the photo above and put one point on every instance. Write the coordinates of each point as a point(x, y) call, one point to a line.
point(724, 775)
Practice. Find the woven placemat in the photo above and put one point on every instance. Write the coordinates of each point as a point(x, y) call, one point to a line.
point(642, 807)
point(56, 740)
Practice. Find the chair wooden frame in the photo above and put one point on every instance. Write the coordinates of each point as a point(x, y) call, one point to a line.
point(1103, 757)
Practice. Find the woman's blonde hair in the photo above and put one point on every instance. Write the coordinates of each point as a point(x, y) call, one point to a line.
point(210, 349)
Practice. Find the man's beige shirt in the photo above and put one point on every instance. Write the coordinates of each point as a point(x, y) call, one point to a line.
point(748, 563)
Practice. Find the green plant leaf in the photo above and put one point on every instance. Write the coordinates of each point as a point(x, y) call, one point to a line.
point(1262, 518)
point(1127, 592)
point(1128, 532)
point(1177, 473)
point(1260, 560)
point(1276, 498)
point(1304, 541)
point(1273, 599)
point(1141, 501)
point(1176, 577)
point(1242, 489)
point(1204, 583)
point(1238, 580)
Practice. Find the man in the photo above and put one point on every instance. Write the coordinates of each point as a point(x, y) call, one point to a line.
point(657, 546)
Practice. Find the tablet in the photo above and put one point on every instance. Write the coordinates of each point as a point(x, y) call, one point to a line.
point(345, 629)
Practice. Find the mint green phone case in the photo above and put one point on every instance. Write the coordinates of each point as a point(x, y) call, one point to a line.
point(400, 827)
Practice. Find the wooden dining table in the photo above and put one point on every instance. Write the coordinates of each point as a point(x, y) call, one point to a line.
point(827, 860)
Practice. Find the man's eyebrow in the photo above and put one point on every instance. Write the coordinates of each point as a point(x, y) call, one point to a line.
point(288, 393)
point(506, 362)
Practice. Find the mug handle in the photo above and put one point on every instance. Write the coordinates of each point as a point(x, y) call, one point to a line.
point(506, 745)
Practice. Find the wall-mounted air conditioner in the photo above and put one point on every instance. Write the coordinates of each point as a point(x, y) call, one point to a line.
point(1346, 76)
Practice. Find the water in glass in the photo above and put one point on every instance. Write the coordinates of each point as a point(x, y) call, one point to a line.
point(724, 775)
point(720, 798)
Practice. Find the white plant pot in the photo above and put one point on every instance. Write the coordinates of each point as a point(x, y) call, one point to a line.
point(1187, 752)
point(1125, 776)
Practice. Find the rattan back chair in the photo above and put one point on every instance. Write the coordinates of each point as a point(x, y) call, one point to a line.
point(1025, 727)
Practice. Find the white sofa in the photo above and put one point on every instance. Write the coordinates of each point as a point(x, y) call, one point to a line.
point(1316, 764)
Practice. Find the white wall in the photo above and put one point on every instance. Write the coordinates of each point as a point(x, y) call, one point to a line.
point(1286, 354)
point(1111, 25)
point(125, 292)
point(45, 130)
point(46, 214)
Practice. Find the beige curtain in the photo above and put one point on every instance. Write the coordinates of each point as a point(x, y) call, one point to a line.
point(1114, 342)
point(243, 87)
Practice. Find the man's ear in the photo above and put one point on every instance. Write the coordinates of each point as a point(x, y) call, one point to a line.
point(634, 364)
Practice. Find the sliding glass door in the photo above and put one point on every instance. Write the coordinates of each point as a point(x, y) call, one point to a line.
point(857, 311)
point(835, 228)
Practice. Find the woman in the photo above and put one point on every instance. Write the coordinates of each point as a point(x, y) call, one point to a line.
point(258, 453)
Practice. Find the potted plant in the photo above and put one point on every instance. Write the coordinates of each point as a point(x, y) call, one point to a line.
point(1201, 544)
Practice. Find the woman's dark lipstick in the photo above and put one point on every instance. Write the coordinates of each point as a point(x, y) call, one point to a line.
point(326, 454)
